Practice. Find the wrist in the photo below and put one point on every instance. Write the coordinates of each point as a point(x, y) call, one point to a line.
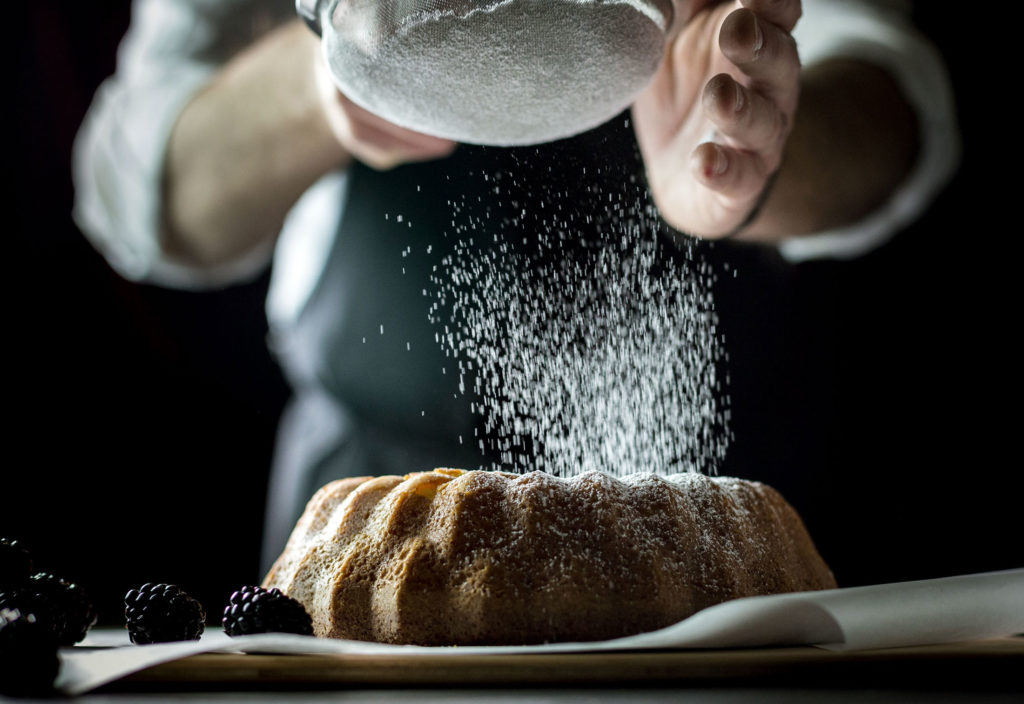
point(758, 208)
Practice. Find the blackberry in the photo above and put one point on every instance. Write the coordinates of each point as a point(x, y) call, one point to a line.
point(258, 610)
point(61, 606)
point(15, 564)
point(162, 613)
point(28, 655)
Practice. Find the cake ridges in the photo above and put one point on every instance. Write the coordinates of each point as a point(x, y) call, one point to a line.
point(505, 553)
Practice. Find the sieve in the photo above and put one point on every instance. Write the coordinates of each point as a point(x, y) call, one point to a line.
point(498, 72)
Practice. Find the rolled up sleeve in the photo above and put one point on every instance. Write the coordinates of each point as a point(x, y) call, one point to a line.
point(877, 33)
point(171, 52)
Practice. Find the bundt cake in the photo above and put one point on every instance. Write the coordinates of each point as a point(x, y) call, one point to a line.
point(451, 557)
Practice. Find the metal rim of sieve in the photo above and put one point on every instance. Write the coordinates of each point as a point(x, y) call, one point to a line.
point(309, 11)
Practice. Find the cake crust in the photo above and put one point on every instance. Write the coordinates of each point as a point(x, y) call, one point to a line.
point(449, 557)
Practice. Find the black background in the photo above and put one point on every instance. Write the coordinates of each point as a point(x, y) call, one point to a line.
point(879, 395)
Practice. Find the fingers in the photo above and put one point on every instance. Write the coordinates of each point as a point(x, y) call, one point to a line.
point(753, 111)
point(746, 117)
point(735, 175)
point(762, 51)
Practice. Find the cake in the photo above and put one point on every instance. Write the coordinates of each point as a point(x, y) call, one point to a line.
point(451, 557)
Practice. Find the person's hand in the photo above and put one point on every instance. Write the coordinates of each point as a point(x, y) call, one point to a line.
point(714, 121)
point(370, 138)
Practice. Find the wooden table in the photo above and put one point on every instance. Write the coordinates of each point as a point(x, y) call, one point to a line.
point(994, 665)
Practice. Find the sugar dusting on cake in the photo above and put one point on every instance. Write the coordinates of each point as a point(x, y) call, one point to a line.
point(600, 355)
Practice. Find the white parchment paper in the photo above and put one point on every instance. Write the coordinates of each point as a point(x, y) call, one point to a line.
point(948, 610)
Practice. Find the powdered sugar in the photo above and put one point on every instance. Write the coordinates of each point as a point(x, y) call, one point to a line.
point(587, 356)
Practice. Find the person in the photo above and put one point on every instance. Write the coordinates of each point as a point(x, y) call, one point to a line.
point(221, 145)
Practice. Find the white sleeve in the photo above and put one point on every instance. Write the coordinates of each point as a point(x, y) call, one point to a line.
point(876, 32)
point(171, 51)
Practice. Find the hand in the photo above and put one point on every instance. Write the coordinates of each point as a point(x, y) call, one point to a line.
point(714, 121)
point(370, 138)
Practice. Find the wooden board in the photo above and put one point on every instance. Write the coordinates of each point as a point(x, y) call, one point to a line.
point(995, 663)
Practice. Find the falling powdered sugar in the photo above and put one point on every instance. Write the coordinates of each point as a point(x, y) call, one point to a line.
point(586, 355)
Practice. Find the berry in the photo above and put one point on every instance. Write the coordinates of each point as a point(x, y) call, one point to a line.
point(15, 564)
point(28, 655)
point(61, 606)
point(162, 613)
point(258, 610)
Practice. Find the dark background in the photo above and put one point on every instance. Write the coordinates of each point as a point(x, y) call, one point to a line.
point(879, 395)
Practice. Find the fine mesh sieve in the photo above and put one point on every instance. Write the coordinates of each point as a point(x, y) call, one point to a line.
point(500, 72)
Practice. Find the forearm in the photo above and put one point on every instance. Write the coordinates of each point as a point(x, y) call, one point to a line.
point(854, 140)
point(245, 149)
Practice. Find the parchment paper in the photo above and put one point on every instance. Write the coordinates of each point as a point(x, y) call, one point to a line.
point(948, 610)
